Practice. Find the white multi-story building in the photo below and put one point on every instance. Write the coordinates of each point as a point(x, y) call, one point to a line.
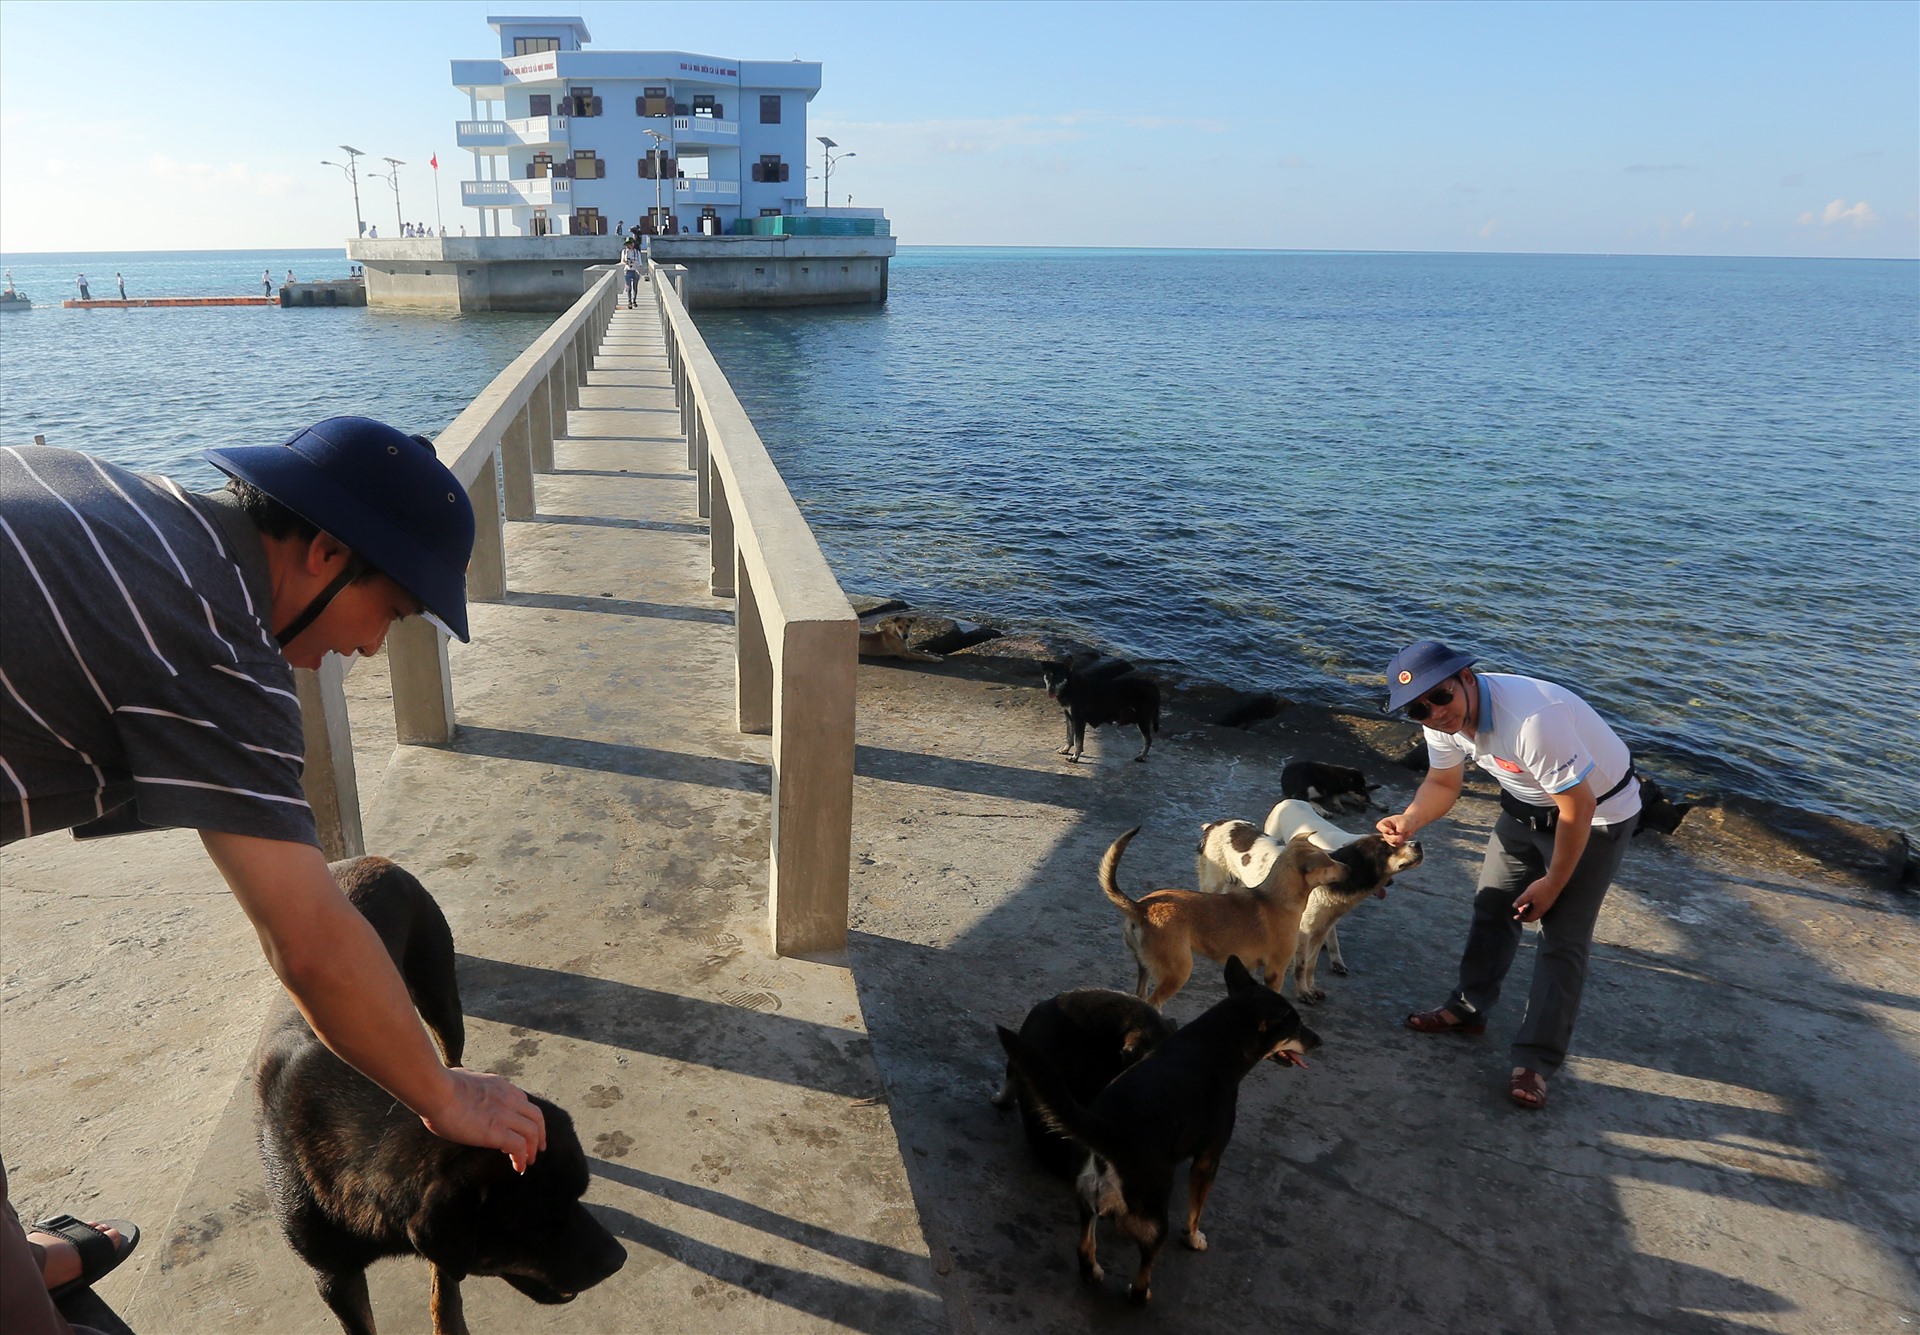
point(567, 141)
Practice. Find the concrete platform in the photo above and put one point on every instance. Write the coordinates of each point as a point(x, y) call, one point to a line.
point(1731, 1149)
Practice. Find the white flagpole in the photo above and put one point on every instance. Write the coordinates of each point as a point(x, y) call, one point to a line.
point(438, 223)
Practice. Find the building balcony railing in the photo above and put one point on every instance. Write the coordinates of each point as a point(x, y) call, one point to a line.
point(499, 136)
point(512, 194)
point(695, 129)
point(687, 185)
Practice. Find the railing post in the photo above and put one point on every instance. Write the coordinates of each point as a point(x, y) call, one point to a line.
point(540, 420)
point(752, 663)
point(557, 396)
point(720, 539)
point(697, 447)
point(813, 744)
point(487, 570)
point(333, 789)
point(570, 360)
point(422, 683)
point(516, 464)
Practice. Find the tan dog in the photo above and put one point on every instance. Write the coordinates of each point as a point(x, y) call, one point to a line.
point(1166, 928)
point(883, 638)
point(1371, 864)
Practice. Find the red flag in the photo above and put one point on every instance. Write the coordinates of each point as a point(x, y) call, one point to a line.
point(434, 162)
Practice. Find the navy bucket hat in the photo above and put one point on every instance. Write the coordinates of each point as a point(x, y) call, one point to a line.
point(1419, 668)
point(383, 493)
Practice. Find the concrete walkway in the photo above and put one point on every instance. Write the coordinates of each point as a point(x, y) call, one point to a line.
point(597, 835)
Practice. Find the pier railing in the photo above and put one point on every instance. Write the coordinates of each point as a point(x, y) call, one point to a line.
point(796, 642)
point(796, 639)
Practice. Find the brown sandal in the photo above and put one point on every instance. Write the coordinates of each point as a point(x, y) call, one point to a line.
point(1440, 1020)
point(1528, 1089)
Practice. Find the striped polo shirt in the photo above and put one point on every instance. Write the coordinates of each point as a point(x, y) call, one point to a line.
point(1539, 739)
point(137, 660)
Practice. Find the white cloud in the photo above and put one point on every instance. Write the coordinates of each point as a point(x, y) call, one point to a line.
point(1839, 211)
point(1689, 220)
point(1486, 233)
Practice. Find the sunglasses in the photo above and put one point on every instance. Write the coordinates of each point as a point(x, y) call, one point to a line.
point(1438, 698)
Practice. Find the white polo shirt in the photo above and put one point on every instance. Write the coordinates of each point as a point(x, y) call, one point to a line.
point(1539, 739)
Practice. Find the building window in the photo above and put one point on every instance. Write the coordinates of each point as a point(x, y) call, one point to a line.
point(588, 222)
point(769, 108)
point(539, 104)
point(580, 102)
point(653, 102)
point(541, 167)
point(704, 105)
point(657, 165)
point(769, 213)
point(529, 46)
point(770, 168)
point(587, 165)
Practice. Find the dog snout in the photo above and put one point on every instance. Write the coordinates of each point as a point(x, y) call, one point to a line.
point(1309, 1039)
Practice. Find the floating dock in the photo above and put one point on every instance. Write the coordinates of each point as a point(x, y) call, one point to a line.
point(131, 303)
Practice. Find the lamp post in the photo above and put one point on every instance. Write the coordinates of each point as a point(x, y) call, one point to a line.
point(659, 166)
point(392, 177)
point(353, 178)
point(826, 192)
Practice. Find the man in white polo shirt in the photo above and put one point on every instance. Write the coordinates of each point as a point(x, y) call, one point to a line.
point(1569, 802)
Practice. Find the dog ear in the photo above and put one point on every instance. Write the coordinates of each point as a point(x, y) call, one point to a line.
point(1238, 979)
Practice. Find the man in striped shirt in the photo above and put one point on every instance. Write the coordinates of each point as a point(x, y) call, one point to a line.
point(147, 641)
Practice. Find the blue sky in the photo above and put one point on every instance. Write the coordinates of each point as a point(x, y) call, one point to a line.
point(1728, 129)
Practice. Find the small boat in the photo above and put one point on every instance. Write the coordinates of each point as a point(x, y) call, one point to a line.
point(11, 300)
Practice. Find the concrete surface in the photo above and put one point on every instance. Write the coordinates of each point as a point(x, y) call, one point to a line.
point(1731, 1149)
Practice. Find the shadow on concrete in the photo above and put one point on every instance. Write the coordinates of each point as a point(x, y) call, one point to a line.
point(628, 607)
point(625, 473)
point(639, 762)
point(609, 521)
point(848, 1306)
point(666, 1024)
point(905, 1267)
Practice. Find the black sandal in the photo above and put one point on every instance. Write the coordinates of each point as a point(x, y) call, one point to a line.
point(1442, 1020)
point(98, 1253)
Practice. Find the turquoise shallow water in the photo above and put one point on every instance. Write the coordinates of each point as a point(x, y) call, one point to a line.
point(1685, 487)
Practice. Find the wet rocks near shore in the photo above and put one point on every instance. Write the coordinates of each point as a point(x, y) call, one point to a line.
point(1730, 824)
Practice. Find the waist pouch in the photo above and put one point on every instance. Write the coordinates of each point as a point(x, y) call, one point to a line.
point(1546, 817)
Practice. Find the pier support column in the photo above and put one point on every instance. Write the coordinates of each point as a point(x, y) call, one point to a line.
point(557, 398)
point(813, 747)
point(720, 541)
point(487, 571)
point(332, 787)
point(516, 463)
point(752, 663)
point(570, 373)
point(422, 683)
point(697, 461)
point(540, 422)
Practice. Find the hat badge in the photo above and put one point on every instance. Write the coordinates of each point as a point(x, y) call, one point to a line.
point(1405, 677)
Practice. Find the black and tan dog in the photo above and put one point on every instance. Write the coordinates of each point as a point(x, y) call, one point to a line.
point(1093, 699)
point(1166, 928)
point(355, 1177)
point(1177, 1103)
point(1087, 1036)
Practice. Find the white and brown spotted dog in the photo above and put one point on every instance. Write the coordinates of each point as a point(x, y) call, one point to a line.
point(1371, 864)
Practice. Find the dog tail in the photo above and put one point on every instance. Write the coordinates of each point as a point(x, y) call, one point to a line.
point(1050, 1097)
point(1110, 880)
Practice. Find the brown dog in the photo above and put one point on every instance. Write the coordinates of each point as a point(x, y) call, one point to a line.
point(1371, 864)
point(1166, 928)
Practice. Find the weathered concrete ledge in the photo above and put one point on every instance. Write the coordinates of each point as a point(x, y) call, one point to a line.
point(746, 271)
point(479, 273)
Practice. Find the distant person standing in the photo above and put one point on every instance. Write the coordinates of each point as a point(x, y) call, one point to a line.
point(84, 294)
point(373, 232)
point(123, 285)
point(630, 270)
point(266, 282)
point(1568, 807)
point(290, 278)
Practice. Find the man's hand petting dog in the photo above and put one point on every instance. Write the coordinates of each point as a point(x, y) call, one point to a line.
point(492, 1113)
point(1396, 830)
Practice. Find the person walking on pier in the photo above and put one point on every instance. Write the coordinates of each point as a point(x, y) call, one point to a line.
point(1569, 803)
point(123, 285)
point(630, 269)
point(151, 638)
point(84, 294)
point(266, 282)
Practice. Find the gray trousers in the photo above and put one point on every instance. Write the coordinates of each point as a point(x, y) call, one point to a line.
point(1517, 856)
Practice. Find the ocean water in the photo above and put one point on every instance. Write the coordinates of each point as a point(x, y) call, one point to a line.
point(1686, 488)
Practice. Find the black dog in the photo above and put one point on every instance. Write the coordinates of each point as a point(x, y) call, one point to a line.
point(1088, 1037)
point(1329, 785)
point(355, 1177)
point(1095, 701)
point(1176, 1103)
point(1658, 811)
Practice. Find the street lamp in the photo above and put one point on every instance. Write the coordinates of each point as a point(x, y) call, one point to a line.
point(392, 178)
point(353, 177)
point(826, 193)
point(659, 166)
